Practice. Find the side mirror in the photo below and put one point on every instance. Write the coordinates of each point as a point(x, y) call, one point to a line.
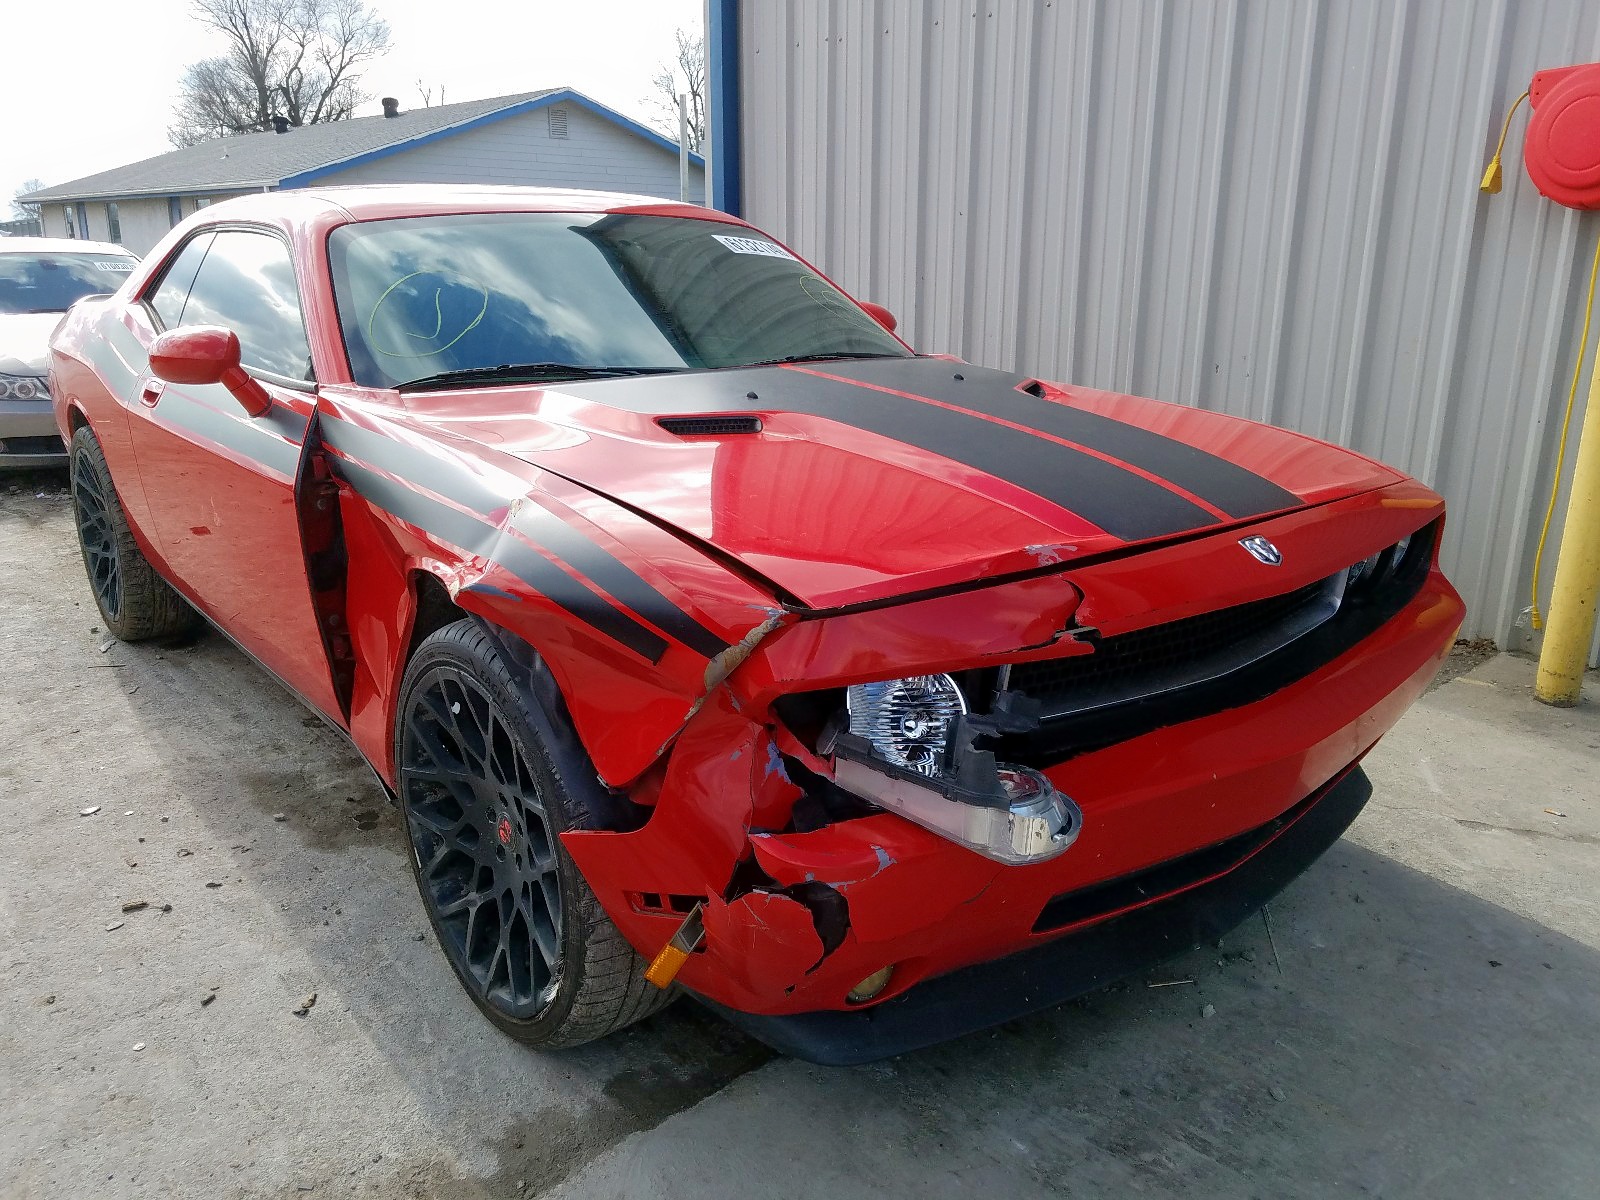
point(201, 354)
point(880, 314)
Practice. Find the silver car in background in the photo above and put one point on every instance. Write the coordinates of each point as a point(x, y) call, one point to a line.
point(40, 278)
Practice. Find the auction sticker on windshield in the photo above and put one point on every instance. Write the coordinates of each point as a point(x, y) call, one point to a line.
point(741, 245)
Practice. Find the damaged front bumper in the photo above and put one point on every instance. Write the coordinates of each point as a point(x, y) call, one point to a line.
point(1093, 956)
point(802, 906)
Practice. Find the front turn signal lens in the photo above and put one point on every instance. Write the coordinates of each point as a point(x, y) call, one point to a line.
point(870, 987)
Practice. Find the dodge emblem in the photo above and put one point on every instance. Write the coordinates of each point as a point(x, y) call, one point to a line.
point(1262, 550)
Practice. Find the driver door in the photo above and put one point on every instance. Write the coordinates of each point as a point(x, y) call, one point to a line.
point(220, 484)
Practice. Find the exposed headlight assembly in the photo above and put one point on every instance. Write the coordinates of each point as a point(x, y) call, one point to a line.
point(907, 720)
point(909, 749)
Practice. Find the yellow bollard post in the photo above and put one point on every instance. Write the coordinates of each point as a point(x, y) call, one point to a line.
point(1570, 628)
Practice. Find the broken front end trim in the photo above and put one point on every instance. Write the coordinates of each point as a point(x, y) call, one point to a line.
point(1078, 960)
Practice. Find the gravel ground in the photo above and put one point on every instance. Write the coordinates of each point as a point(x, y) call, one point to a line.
point(1420, 1022)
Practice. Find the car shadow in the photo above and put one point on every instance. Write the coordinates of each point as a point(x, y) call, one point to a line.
point(1393, 1035)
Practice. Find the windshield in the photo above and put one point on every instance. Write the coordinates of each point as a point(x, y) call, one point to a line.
point(47, 283)
point(424, 296)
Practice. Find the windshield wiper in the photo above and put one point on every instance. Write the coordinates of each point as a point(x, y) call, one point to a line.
point(801, 358)
point(523, 373)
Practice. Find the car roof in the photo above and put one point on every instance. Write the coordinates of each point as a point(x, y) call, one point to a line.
point(46, 245)
point(376, 202)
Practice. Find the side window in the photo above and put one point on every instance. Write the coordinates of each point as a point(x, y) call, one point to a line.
point(246, 284)
point(173, 290)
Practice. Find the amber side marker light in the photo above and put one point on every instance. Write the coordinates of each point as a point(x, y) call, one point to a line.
point(664, 968)
point(870, 987)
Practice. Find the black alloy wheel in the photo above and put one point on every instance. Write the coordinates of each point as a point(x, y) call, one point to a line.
point(99, 542)
point(490, 774)
point(486, 859)
point(135, 602)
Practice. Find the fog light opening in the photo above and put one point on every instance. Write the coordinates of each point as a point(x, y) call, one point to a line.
point(871, 987)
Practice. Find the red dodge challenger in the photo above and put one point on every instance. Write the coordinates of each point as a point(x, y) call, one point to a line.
point(712, 640)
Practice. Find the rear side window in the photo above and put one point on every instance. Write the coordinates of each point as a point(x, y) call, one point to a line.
point(246, 284)
point(173, 290)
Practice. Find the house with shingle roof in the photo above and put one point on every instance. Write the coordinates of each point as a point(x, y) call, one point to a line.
point(552, 138)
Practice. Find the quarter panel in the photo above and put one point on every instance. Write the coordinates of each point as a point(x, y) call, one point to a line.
point(95, 362)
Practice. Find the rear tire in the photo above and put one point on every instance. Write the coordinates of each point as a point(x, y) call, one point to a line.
point(135, 602)
point(485, 803)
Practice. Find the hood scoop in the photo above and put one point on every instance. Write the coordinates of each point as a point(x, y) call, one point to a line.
point(717, 426)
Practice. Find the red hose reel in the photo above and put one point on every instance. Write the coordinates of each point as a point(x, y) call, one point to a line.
point(1562, 148)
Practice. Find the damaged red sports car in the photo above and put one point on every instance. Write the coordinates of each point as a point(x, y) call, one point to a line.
point(703, 631)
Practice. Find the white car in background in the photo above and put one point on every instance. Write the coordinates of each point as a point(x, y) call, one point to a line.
point(40, 278)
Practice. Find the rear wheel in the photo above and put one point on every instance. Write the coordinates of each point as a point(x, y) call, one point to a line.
point(135, 602)
point(485, 804)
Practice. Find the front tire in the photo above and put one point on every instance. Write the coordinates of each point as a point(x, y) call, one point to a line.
point(135, 602)
point(485, 803)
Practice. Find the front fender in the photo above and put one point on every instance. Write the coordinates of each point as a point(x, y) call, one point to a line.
point(636, 627)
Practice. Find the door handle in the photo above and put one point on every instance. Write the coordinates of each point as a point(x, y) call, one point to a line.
point(151, 391)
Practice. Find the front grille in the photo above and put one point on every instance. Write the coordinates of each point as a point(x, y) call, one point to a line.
point(1151, 678)
point(1146, 660)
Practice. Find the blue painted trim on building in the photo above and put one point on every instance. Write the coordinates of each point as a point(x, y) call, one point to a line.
point(722, 70)
point(565, 96)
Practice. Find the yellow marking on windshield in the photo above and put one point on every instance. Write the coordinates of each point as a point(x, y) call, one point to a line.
point(438, 311)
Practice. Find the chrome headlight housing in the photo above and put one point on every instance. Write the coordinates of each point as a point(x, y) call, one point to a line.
point(23, 387)
point(907, 721)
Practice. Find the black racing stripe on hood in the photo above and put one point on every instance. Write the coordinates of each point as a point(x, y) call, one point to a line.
point(1117, 500)
point(484, 540)
point(538, 524)
point(1234, 489)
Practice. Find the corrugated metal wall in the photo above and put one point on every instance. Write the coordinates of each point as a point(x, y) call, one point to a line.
point(1267, 207)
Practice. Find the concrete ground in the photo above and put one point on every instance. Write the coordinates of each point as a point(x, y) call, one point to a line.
point(1418, 1021)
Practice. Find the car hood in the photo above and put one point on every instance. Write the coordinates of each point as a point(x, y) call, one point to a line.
point(24, 341)
point(849, 482)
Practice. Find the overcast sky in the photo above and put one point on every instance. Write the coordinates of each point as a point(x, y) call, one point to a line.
point(90, 85)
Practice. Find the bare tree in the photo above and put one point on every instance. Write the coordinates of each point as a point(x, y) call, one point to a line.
point(22, 211)
point(296, 59)
point(426, 92)
point(684, 75)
